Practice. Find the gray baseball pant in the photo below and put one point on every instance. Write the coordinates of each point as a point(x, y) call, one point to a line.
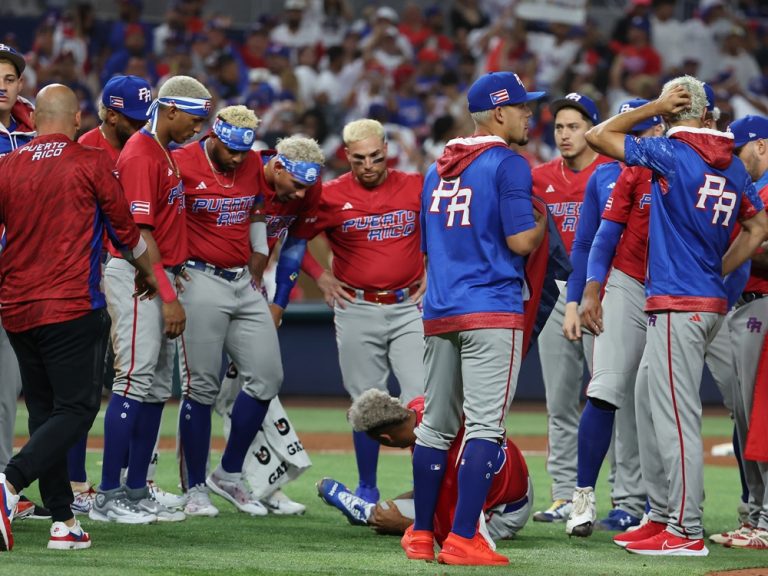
point(10, 388)
point(562, 368)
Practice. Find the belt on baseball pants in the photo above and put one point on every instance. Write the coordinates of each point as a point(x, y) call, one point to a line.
point(747, 297)
point(382, 296)
point(228, 274)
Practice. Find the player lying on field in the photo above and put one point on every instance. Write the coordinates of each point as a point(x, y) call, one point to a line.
point(386, 420)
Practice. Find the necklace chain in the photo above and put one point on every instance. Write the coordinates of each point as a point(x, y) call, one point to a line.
point(167, 156)
point(216, 172)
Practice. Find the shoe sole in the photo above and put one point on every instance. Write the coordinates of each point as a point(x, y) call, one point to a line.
point(453, 560)
point(542, 517)
point(352, 520)
point(6, 535)
point(420, 556)
point(279, 512)
point(99, 517)
point(680, 552)
point(582, 530)
point(203, 514)
point(68, 545)
point(224, 494)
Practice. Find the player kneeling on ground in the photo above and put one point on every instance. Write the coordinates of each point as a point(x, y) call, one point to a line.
point(507, 506)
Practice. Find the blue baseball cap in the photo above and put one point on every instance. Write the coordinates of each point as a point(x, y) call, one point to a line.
point(14, 56)
point(583, 104)
point(710, 97)
point(748, 129)
point(131, 96)
point(645, 124)
point(498, 89)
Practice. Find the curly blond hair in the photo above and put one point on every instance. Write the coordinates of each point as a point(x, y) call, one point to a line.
point(374, 410)
point(239, 116)
point(695, 88)
point(183, 87)
point(300, 149)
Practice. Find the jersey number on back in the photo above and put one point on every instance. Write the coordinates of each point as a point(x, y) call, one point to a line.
point(714, 187)
point(459, 204)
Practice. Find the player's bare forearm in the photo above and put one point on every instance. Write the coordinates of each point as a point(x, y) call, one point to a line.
point(572, 322)
point(760, 258)
point(154, 252)
point(592, 308)
point(608, 137)
point(146, 282)
point(753, 233)
point(277, 314)
point(257, 263)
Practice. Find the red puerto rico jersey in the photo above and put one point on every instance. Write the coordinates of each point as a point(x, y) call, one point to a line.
point(295, 217)
point(155, 195)
point(218, 218)
point(630, 205)
point(758, 279)
point(51, 264)
point(96, 139)
point(563, 191)
point(509, 484)
point(374, 234)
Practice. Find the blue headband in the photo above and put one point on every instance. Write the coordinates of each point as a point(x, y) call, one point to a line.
point(304, 172)
point(195, 106)
point(233, 137)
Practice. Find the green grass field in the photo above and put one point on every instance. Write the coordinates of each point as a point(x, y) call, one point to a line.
point(322, 542)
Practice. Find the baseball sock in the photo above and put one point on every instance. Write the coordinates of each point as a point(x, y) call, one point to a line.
point(478, 464)
point(143, 443)
point(740, 462)
point(428, 472)
point(119, 421)
point(195, 437)
point(367, 456)
point(247, 417)
point(595, 433)
point(76, 461)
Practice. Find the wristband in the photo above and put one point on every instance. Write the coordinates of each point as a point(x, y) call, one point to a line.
point(139, 249)
point(258, 234)
point(311, 266)
point(164, 288)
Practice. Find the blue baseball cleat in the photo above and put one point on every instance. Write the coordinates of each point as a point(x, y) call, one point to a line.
point(335, 494)
point(617, 521)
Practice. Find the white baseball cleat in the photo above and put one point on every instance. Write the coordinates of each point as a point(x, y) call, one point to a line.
point(583, 515)
point(167, 499)
point(199, 502)
point(232, 487)
point(278, 503)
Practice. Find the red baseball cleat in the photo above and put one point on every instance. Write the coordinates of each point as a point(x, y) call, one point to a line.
point(469, 552)
point(666, 544)
point(418, 544)
point(645, 531)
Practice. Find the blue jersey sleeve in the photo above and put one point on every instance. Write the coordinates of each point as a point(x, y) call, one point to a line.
point(601, 254)
point(514, 183)
point(589, 221)
point(654, 153)
point(291, 255)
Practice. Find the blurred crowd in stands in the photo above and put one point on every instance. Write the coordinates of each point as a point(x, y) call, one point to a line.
point(314, 65)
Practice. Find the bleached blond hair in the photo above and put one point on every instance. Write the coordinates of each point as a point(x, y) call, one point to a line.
point(239, 116)
point(300, 149)
point(374, 410)
point(183, 87)
point(362, 129)
point(102, 111)
point(695, 88)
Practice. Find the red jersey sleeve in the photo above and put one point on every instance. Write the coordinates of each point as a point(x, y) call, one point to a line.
point(305, 226)
point(619, 204)
point(140, 179)
point(121, 228)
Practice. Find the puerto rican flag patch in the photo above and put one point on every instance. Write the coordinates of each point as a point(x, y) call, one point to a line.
point(499, 97)
point(116, 102)
point(139, 207)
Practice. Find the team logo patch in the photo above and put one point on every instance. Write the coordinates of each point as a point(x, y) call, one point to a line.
point(282, 426)
point(139, 207)
point(248, 137)
point(499, 97)
point(116, 102)
point(263, 455)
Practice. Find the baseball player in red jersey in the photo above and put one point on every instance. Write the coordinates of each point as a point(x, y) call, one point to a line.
point(747, 325)
point(688, 254)
point(62, 325)
point(370, 218)
point(143, 332)
point(507, 506)
point(226, 309)
point(561, 183)
point(16, 129)
point(123, 110)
